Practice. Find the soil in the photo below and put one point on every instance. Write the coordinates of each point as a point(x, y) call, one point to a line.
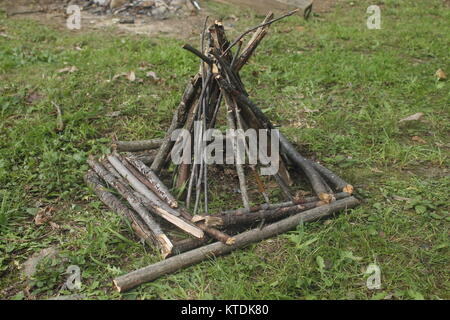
point(52, 12)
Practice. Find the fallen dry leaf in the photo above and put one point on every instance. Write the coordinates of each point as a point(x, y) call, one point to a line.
point(398, 198)
point(307, 110)
point(43, 216)
point(71, 69)
point(440, 74)
point(131, 76)
point(414, 117)
point(152, 75)
point(418, 139)
point(116, 76)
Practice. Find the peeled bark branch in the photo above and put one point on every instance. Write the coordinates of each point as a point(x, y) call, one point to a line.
point(173, 264)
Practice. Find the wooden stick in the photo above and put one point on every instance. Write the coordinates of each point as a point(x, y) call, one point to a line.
point(212, 232)
point(153, 202)
point(173, 264)
point(177, 122)
point(269, 212)
point(134, 146)
point(59, 119)
point(197, 53)
point(155, 184)
point(250, 48)
point(239, 168)
point(163, 240)
point(257, 27)
point(339, 183)
point(240, 211)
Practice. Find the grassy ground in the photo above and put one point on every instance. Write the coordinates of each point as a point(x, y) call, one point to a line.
point(359, 83)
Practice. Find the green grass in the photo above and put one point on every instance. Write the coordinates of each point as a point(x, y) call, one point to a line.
point(360, 83)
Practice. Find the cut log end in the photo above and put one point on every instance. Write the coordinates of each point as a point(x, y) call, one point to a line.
point(326, 197)
point(213, 221)
point(166, 246)
point(117, 286)
point(198, 218)
point(231, 241)
point(349, 189)
point(173, 204)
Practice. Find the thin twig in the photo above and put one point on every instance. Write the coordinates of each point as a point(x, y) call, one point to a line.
point(257, 27)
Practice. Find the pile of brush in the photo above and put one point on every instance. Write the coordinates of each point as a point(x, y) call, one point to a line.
point(153, 211)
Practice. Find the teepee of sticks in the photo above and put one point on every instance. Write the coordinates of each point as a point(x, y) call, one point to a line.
point(143, 198)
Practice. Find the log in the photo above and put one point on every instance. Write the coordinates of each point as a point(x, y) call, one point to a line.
point(153, 202)
point(135, 146)
point(155, 184)
point(146, 158)
point(240, 211)
point(112, 202)
point(163, 241)
point(338, 183)
point(188, 245)
point(228, 220)
point(173, 264)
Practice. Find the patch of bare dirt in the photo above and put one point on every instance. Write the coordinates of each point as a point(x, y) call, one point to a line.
point(53, 13)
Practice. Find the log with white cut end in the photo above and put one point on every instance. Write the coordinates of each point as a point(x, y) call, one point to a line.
point(173, 264)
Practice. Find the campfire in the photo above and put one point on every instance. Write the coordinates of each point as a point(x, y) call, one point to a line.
point(138, 170)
